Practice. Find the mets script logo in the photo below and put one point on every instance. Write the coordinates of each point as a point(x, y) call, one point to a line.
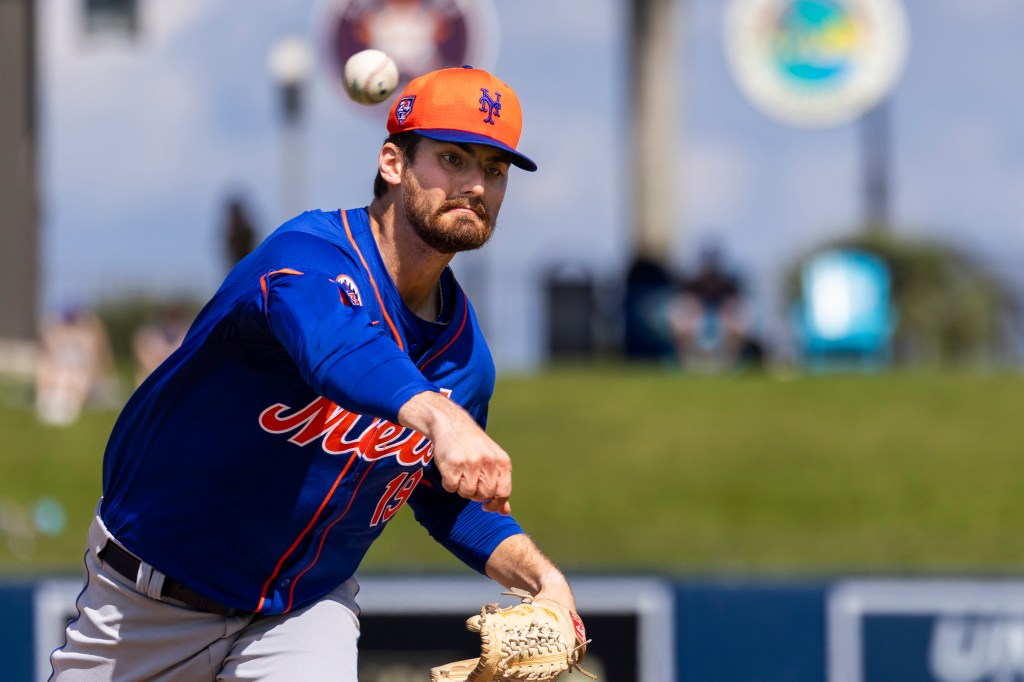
point(348, 285)
point(346, 433)
point(404, 107)
point(491, 106)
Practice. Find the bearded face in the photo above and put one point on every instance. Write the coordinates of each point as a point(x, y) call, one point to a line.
point(444, 228)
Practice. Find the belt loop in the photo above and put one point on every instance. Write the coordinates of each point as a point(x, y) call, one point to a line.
point(149, 581)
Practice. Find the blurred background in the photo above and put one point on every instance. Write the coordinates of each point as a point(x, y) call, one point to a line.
point(770, 268)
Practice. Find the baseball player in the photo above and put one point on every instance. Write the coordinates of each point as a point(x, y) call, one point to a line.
point(337, 374)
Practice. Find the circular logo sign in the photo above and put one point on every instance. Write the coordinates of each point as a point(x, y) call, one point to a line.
point(815, 63)
point(420, 35)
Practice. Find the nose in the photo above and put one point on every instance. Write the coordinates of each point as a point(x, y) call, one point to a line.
point(473, 183)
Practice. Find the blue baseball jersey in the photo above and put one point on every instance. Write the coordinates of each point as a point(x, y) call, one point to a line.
point(259, 462)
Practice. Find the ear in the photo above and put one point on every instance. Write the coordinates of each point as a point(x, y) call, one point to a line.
point(390, 162)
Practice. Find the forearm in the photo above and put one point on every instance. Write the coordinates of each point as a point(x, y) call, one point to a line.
point(432, 414)
point(519, 562)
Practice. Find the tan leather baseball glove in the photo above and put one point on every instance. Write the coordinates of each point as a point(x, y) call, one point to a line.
point(536, 639)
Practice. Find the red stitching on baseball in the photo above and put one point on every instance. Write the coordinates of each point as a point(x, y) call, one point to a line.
point(373, 74)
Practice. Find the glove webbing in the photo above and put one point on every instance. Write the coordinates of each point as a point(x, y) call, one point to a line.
point(545, 637)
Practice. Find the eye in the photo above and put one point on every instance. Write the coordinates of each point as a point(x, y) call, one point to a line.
point(451, 158)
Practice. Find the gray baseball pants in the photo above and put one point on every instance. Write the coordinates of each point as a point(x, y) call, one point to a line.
point(121, 633)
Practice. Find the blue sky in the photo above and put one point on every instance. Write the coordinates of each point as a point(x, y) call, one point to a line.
point(142, 142)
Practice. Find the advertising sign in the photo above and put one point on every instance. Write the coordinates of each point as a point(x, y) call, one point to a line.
point(420, 35)
point(926, 631)
point(815, 63)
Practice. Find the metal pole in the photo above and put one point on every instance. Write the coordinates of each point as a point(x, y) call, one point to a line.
point(657, 115)
point(290, 61)
point(19, 199)
point(293, 151)
point(875, 151)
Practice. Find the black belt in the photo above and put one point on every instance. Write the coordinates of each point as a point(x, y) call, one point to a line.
point(127, 565)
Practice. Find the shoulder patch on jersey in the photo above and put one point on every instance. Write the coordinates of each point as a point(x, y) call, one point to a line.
point(348, 286)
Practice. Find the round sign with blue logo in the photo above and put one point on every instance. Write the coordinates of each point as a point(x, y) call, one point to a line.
point(815, 63)
point(420, 35)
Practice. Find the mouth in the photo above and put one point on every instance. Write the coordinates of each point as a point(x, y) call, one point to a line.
point(465, 208)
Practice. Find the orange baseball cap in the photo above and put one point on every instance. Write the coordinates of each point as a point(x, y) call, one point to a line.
point(462, 105)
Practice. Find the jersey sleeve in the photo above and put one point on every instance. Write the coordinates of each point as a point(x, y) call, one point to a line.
point(462, 526)
point(338, 350)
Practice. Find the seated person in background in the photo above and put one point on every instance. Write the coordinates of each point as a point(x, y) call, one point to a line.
point(75, 363)
point(707, 318)
point(153, 343)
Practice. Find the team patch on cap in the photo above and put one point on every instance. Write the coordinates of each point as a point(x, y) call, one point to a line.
point(348, 286)
point(404, 108)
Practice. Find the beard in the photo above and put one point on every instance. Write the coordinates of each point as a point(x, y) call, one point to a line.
point(444, 232)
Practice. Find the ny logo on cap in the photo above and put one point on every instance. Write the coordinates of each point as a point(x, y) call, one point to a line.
point(491, 106)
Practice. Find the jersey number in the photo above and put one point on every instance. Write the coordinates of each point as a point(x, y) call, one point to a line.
point(395, 495)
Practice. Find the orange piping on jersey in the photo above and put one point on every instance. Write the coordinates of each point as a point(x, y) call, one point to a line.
point(462, 325)
point(263, 282)
point(305, 531)
point(323, 537)
point(373, 282)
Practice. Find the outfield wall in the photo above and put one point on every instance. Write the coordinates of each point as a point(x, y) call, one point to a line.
point(651, 629)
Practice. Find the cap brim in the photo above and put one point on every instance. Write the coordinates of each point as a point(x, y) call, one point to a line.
point(448, 135)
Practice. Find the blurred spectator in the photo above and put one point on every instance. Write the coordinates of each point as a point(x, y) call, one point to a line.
point(153, 343)
point(239, 233)
point(649, 291)
point(708, 317)
point(75, 363)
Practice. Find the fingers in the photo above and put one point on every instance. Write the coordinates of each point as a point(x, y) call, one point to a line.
point(499, 502)
point(499, 506)
point(471, 464)
point(490, 486)
point(484, 477)
point(448, 479)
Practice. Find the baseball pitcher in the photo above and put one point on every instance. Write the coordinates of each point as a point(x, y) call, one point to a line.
point(338, 374)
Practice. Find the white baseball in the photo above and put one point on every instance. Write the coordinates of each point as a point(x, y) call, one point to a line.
point(370, 76)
